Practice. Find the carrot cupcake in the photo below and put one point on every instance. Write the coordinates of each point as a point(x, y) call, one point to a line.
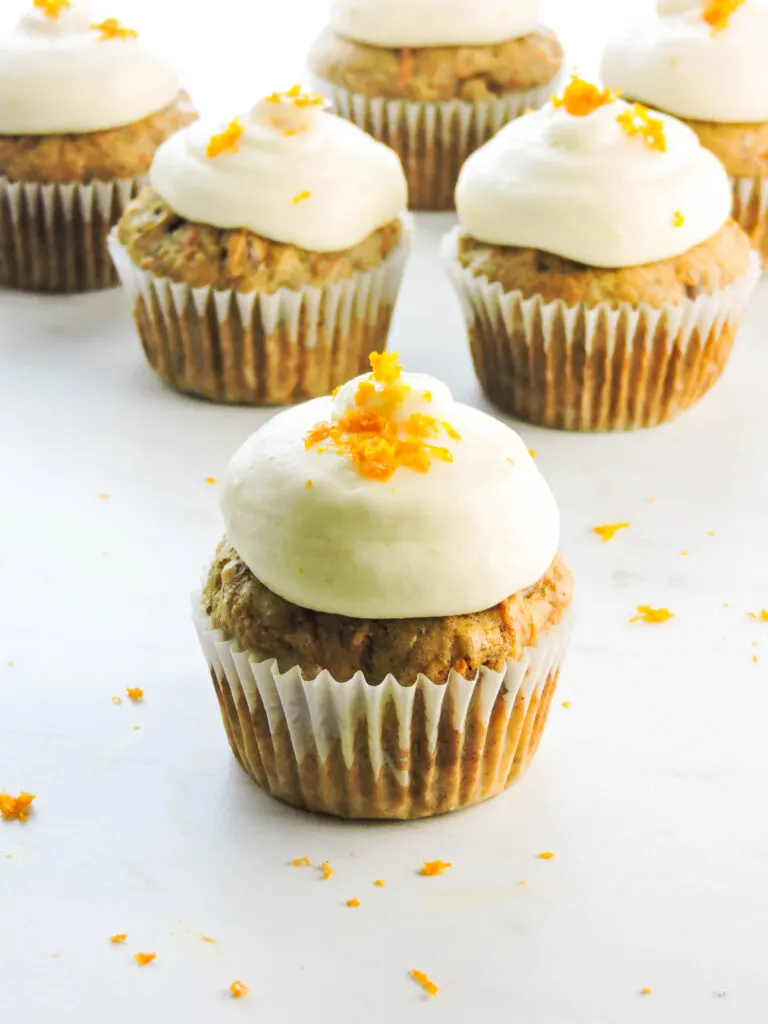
point(264, 259)
point(705, 62)
point(601, 276)
point(83, 107)
point(387, 614)
point(435, 79)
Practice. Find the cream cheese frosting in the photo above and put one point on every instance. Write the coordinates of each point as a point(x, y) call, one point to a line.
point(289, 171)
point(479, 524)
point(679, 63)
point(417, 23)
point(60, 73)
point(592, 189)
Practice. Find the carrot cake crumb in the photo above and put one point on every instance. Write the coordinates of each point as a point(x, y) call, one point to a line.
point(302, 862)
point(210, 479)
point(565, 704)
point(435, 867)
point(354, 902)
point(645, 991)
point(226, 141)
point(111, 28)
point(327, 870)
point(16, 808)
point(238, 989)
point(142, 959)
point(581, 98)
point(117, 939)
point(547, 855)
point(421, 979)
point(648, 614)
point(609, 531)
point(135, 693)
point(761, 616)
point(379, 882)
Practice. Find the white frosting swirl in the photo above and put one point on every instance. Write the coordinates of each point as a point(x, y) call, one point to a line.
point(677, 63)
point(58, 76)
point(298, 175)
point(457, 539)
point(583, 188)
point(398, 23)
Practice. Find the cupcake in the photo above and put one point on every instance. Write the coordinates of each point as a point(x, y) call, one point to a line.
point(264, 259)
point(600, 273)
point(435, 79)
point(387, 614)
point(705, 63)
point(83, 107)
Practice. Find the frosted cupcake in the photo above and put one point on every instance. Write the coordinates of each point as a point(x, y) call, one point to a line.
point(601, 276)
point(83, 107)
point(706, 63)
point(435, 79)
point(264, 260)
point(386, 617)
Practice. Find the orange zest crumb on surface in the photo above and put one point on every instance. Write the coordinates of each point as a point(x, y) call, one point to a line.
point(207, 938)
point(379, 882)
point(111, 28)
point(710, 533)
point(609, 531)
point(327, 870)
point(238, 989)
point(718, 13)
point(406, 68)
point(547, 855)
point(683, 552)
point(354, 902)
point(648, 614)
point(645, 991)
point(142, 959)
point(521, 882)
point(581, 98)
point(421, 979)
point(309, 485)
point(118, 939)
point(105, 497)
point(16, 808)
point(226, 141)
point(297, 98)
point(637, 120)
point(117, 700)
point(301, 862)
point(210, 479)
point(435, 867)
point(52, 8)
point(761, 616)
point(565, 704)
point(754, 658)
point(300, 197)
point(9, 664)
point(650, 501)
point(532, 452)
point(135, 693)
point(678, 219)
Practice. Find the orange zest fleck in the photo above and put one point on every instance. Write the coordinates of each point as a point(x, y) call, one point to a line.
point(142, 959)
point(406, 68)
point(302, 862)
point(238, 989)
point(105, 497)
point(327, 870)
point(379, 882)
point(117, 700)
point(354, 902)
point(300, 197)
point(609, 531)
point(421, 979)
point(52, 8)
point(135, 693)
point(648, 614)
point(226, 141)
point(645, 991)
point(678, 219)
point(113, 29)
point(546, 855)
point(118, 939)
point(761, 616)
point(435, 867)
point(207, 938)
point(309, 485)
point(210, 479)
point(718, 13)
point(637, 120)
point(297, 98)
point(565, 704)
point(16, 808)
point(581, 98)
point(532, 452)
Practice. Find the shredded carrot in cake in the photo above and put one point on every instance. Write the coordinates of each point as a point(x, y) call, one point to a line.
point(226, 141)
point(547, 855)
point(435, 867)
point(135, 693)
point(16, 808)
point(407, 67)
point(354, 902)
point(142, 959)
point(637, 120)
point(238, 989)
point(118, 939)
point(373, 438)
point(461, 666)
point(300, 197)
point(718, 13)
point(581, 98)
point(52, 8)
point(609, 531)
point(113, 29)
point(327, 870)
point(761, 616)
point(506, 616)
point(302, 862)
point(421, 979)
point(678, 219)
point(648, 614)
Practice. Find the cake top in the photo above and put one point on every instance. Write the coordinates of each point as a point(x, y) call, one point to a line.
point(287, 170)
point(421, 23)
point(63, 70)
point(696, 59)
point(595, 180)
point(389, 500)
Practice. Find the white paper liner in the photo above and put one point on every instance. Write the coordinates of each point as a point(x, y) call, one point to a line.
point(433, 139)
point(322, 716)
point(255, 348)
point(53, 237)
point(750, 209)
point(602, 367)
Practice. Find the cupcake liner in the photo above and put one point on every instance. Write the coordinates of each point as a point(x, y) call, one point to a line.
point(750, 209)
point(252, 348)
point(432, 139)
point(356, 750)
point(602, 367)
point(53, 238)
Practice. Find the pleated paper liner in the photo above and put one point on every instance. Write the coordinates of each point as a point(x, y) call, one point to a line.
point(750, 209)
point(596, 368)
point(355, 750)
point(53, 238)
point(259, 349)
point(433, 140)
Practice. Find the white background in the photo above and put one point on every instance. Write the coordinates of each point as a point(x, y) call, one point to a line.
point(650, 789)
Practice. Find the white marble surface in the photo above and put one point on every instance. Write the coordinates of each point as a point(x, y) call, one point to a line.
point(649, 788)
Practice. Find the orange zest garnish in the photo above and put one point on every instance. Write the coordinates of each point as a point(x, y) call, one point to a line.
point(142, 959)
point(238, 989)
point(435, 867)
point(581, 98)
point(407, 65)
point(117, 939)
point(226, 141)
point(354, 902)
point(112, 29)
point(421, 979)
point(609, 531)
point(297, 97)
point(648, 614)
point(327, 870)
point(300, 197)
point(547, 855)
point(718, 13)
point(761, 616)
point(135, 693)
point(678, 219)
point(16, 808)
point(302, 862)
point(52, 8)
point(636, 120)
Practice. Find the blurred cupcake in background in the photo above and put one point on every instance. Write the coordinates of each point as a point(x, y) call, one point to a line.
point(600, 273)
point(264, 259)
point(435, 79)
point(83, 107)
point(705, 62)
